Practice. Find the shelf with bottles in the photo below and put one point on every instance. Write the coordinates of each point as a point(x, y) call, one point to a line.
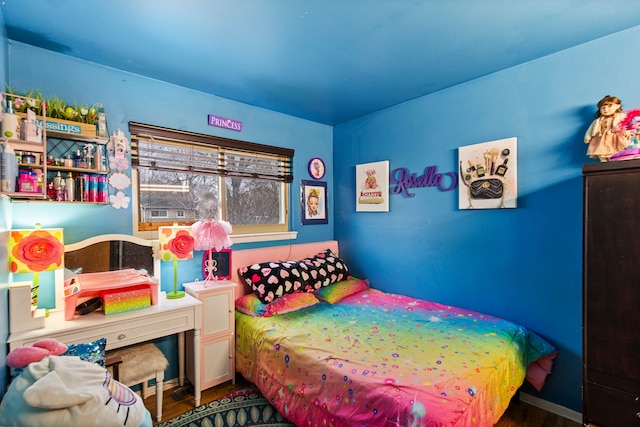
point(76, 170)
point(77, 154)
point(81, 187)
point(23, 166)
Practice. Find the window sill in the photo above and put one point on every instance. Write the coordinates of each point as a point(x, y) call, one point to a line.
point(264, 237)
point(237, 238)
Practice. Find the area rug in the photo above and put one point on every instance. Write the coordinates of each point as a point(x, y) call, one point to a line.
point(242, 408)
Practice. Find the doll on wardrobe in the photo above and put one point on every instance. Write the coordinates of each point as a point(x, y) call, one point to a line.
point(601, 136)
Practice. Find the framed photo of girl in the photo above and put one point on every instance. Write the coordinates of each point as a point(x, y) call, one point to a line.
point(313, 200)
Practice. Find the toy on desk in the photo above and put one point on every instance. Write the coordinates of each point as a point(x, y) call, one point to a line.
point(91, 285)
point(54, 390)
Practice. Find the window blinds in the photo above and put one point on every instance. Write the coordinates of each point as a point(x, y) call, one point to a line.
point(159, 148)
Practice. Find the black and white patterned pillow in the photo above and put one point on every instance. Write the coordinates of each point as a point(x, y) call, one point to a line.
point(271, 280)
point(326, 268)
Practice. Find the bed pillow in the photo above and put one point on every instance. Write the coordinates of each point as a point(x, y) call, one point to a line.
point(251, 305)
point(324, 269)
point(340, 290)
point(92, 351)
point(271, 280)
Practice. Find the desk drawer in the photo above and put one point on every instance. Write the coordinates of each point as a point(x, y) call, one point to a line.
point(129, 331)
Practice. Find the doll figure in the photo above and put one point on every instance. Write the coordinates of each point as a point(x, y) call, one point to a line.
point(601, 136)
point(313, 200)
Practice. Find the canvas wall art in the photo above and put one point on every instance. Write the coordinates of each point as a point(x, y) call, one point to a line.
point(488, 175)
point(372, 187)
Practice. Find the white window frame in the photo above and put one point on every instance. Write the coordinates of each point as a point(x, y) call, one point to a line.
point(241, 233)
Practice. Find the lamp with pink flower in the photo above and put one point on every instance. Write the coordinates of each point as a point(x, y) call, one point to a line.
point(175, 244)
point(31, 251)
point(212, 236)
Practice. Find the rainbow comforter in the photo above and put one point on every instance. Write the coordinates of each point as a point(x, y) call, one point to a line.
point(380, 359)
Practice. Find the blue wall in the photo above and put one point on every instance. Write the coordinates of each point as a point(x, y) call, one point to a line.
point(522, 264)
point(4, 227)
point(128, 97)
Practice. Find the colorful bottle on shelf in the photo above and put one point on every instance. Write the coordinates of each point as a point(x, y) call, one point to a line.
point(102, 122)
point(98, 158)
point(103, 190)
point(70, 187)
point(77, 159)
point(10, 122)
point(8, 170)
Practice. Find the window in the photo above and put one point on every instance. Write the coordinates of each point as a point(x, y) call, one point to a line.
point(157, 213)
point(184, 177)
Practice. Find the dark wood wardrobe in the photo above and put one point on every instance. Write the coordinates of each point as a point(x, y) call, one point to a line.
point(611, 294)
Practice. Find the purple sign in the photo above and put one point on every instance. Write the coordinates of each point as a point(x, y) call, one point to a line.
point(223, 122)
point(401, 180)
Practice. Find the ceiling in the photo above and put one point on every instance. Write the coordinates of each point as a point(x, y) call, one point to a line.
point(328, 61)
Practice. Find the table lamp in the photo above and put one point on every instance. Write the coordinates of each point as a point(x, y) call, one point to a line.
point(36, 250)
point(31, 251)
point(175, 244)
point(210, 235)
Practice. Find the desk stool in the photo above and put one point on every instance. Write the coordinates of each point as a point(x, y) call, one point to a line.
point(141, 363)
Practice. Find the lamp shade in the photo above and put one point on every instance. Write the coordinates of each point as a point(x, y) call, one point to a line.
point(212, 234)
point(176, 243)
point(36, 250)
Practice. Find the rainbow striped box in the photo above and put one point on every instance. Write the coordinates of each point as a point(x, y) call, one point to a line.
point(126, 299)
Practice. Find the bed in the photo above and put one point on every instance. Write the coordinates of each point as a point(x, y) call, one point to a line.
point(362, 357)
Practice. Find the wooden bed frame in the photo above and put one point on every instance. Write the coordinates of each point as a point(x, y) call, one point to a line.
point(245, 257)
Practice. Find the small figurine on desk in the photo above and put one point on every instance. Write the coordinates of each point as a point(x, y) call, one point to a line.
point(601, 136)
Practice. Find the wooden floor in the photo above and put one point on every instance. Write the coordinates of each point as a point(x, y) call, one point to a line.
point(519, 414)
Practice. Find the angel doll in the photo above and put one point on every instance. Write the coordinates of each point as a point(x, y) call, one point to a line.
point(601, 136)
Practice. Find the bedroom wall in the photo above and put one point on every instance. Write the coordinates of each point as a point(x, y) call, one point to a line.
point(129, 97)
point(4, 227)
point(522, 264)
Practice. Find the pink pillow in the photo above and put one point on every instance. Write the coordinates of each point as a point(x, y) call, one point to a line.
point(538, 370)
point(340, 290)
point(251, 305)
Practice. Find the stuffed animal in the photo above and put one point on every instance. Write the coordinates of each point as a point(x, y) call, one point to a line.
point(55, 390)
point(22, 356)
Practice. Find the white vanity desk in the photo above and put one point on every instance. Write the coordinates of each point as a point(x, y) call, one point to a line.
point(165, 318)
point(169, 316)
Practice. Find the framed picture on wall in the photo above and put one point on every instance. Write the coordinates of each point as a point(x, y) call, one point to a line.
point(372, 187)
point(488, 175)
point(313, 200)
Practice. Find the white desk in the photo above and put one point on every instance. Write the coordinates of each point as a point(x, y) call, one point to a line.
point(169, 316)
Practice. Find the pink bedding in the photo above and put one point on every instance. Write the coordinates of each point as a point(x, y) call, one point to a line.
point(379, 359)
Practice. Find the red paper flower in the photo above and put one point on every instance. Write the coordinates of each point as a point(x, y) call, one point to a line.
point(39, 251)
point(181, 245)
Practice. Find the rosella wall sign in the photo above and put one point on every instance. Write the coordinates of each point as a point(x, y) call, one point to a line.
point(223, 122)
point(402, 180)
